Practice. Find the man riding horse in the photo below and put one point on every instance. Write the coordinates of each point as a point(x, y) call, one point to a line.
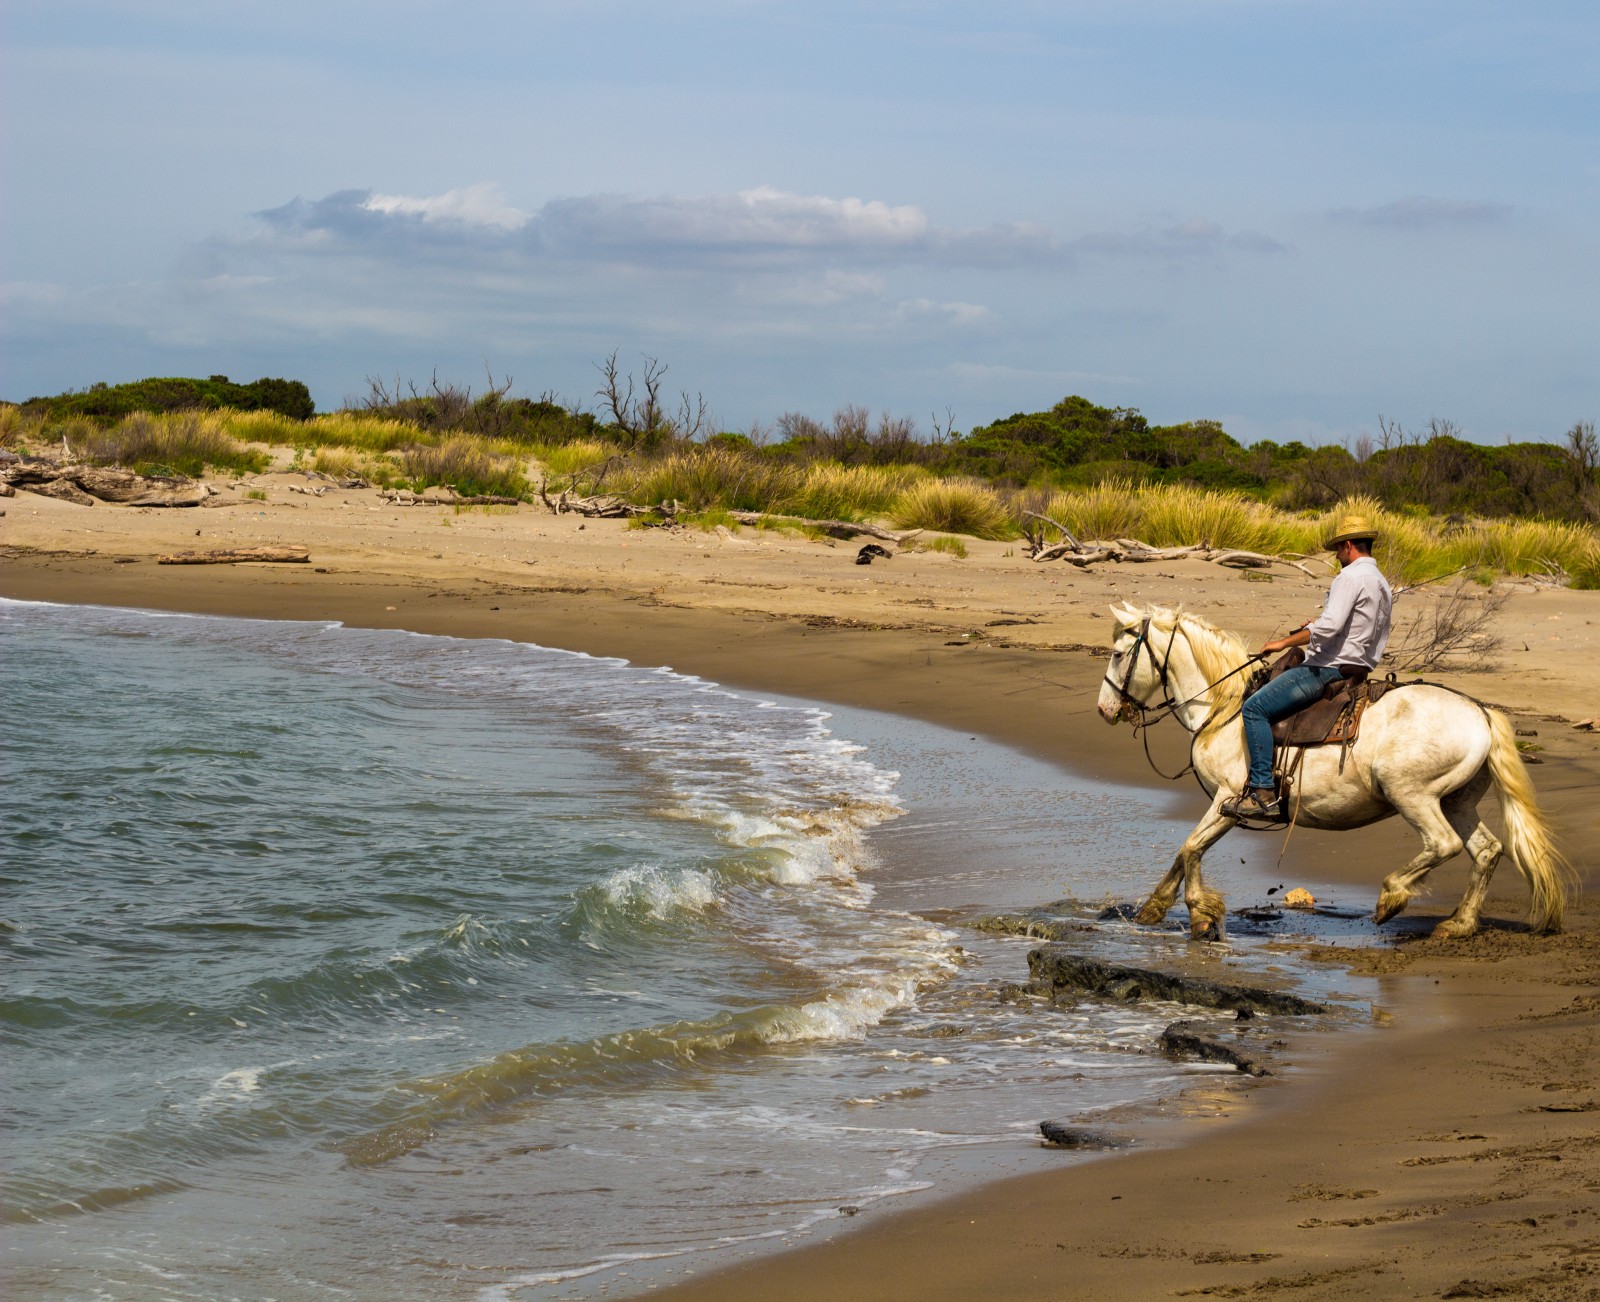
point(1345, 641)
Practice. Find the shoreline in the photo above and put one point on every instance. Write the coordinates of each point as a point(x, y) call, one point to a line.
point(1397, 1167)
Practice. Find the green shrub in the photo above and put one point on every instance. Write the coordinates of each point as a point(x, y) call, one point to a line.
point(111, 402)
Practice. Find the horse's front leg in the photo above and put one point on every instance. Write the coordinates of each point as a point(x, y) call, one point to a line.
point(1206, 907)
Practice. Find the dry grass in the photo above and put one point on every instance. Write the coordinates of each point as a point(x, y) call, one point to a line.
point(353, 429)
point(825, 491)
point(570, 458)
point(948, 545)
point(1176, 515)
point(954, 506)
point(466, 465)
point(734, 480)
point(1412, 548)
point(185, 443)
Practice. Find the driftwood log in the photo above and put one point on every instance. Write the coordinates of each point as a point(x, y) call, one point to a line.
point(238, 555)
point(845, 528)
point(430, 497)
point(85, 485)
point(1132, 550)
point(602, 506)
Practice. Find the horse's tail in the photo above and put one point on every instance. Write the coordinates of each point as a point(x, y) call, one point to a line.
point(1528, 839)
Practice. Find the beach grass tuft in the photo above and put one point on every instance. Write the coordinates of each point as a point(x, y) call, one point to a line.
point(570, 458)
point(954, 506)
point(466, 465)
point(829, 491)
point(183, 443)
point(949, 544)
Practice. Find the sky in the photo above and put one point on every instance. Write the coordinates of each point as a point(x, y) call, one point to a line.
point(1297, 217)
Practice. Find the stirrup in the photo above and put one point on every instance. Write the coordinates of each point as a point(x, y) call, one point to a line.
point(1250, 805)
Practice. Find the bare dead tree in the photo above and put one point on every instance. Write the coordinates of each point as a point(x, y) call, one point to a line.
point(943, 429)
point(694, 416)
point(649, 413)
point(798, 428)
point(380, 397)
point(615, 392)
point(1583, 451)
point(642, 420)
point(1455, 626)
point(893, 439)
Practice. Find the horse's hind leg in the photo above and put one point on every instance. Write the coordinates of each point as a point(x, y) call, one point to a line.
point(1461, 809)
point(1440, 841)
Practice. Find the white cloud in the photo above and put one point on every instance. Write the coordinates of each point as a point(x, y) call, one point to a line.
point(747, 231)
point(474, 205)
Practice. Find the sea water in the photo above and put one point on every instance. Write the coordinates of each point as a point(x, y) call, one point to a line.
point(345, 963)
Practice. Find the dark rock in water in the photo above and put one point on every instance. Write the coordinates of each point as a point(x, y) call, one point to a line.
point(1012, 993)
point(1037, 925)
point(849, 1210)
point(865, 555)
point(1259, 915)
point(1123, 912)
point(1059, 1135)
point(1058, 968)
point(1193, 1040)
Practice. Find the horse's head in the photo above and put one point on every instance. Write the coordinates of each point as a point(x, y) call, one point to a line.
point(1133, 678)
point(1162, 658)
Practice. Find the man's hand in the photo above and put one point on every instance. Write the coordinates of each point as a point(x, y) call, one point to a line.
point(1299, 637)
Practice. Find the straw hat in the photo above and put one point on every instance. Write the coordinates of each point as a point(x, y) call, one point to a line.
point(1350, 527)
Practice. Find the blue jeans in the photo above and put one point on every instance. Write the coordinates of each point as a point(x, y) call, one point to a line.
point(1278, 700)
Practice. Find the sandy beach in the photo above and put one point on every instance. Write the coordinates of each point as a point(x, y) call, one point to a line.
point(1451, 1151)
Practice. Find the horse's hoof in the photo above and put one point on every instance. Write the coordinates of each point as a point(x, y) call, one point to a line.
point(1150, 914)
point(1451, 929)
point(1389, 906)
point(1205, 929)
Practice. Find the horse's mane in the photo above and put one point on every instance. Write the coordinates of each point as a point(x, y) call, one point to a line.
point(1216, 651)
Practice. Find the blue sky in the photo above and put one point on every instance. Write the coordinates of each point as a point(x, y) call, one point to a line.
point(1294, 217)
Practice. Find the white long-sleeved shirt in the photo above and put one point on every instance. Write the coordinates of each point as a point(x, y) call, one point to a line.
point(1353, 628)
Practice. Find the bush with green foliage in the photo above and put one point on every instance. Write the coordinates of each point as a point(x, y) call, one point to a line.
point(111, 402)
point(1077, 444)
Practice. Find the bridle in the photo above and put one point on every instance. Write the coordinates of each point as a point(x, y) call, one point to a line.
point(1132, 704)
point(1143, 716)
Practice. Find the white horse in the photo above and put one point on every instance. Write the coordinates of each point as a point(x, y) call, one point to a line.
point(1423, 752)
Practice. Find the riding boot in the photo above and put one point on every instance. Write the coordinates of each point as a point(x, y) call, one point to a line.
point(1258, 804)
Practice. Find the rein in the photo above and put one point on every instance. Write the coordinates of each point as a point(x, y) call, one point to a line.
point(1168, 707)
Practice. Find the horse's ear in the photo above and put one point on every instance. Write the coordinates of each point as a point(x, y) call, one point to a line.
point(1124, 614)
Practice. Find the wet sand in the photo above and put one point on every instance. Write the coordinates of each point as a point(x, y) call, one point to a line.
point(1453, 1150)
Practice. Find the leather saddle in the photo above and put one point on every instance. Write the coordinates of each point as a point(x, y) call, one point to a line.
point(1335, 717)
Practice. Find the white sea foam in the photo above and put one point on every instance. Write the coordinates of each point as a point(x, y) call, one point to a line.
point(660, 891)
point(233, 1085)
